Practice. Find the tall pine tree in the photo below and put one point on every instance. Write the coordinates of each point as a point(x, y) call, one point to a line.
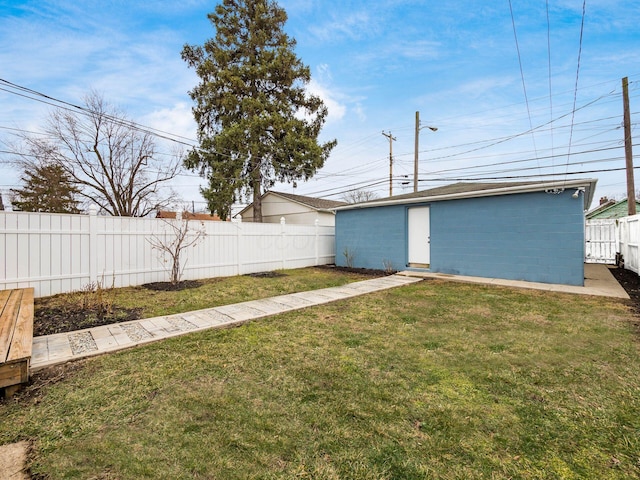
point(47, 188)
point(257, 125)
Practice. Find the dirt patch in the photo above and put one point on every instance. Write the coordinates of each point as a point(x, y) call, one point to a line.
point(172, 287)
point(33, 390)
point(51, 320)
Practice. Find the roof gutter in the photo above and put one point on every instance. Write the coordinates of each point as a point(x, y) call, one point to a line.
point(588, 185)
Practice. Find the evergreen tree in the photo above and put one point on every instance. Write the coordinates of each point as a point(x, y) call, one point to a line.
point(256, 123)
point(47, 188)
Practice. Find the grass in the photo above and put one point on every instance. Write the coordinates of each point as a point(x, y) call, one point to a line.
point(212, 293)
point(432, 380)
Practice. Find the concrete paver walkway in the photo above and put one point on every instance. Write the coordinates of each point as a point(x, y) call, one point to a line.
point(54, 349)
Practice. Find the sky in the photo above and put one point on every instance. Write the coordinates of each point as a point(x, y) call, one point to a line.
point(518, 90)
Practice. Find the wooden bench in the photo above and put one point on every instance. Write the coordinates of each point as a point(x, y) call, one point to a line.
point(16, 338)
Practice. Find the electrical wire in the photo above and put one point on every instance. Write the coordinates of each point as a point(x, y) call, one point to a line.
point(549, 71)
point(575, 91)
point(524, 86)
point(80, 109)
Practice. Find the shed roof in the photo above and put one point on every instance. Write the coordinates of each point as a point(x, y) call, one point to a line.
point(319, 204)
point(481, 189)
point(188, 216)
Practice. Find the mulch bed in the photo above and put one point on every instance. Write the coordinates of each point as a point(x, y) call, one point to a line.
point(630, 281)
point(172, 287)
point(370, 272)
point(48, 321)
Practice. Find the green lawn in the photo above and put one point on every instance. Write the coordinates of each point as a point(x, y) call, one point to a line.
point(212, 293)
point(433, 380)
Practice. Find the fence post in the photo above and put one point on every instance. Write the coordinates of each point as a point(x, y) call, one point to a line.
point(239, 247)
point(317, 225)
point(283, 242)
point(93, 244)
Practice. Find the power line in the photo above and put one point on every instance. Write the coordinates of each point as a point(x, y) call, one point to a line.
point(549, 69)
point(524, 87)
point(511, 177)
point(85, 111)
point(575, 91)
point(511, 162)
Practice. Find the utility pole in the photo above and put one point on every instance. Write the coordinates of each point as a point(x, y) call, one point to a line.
point(415, 158)
point(628, 153)
point(391, 139)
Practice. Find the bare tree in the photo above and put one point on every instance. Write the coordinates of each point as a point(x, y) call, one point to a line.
point(357, 196)
point(113, 162)
point(178, 237)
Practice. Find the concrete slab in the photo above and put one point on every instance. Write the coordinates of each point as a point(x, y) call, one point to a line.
point(291, 301)
point(58, 347)
point(267, 306)
point(598, 281)
point(216, 318)
point(200, 320)
point(317, 297)
point(103, 338)
point(13, 461)
point(153, 326)
point(240, 312)
point(39, 350)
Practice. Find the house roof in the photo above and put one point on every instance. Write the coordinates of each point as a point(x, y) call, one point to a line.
point(481, 189)
point(611, 210)
point(600, 207)
point(188, 216)
point(319, 204)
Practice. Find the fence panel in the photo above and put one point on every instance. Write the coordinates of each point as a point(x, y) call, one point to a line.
point(57, 253)
point(629, 235)
point(601, 242)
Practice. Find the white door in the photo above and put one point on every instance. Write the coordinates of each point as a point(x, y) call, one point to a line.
point(419, 237)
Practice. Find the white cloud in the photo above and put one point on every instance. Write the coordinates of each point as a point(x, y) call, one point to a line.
point(336, 109)
point(359, 111)
point(176, 120)
point(354, 26)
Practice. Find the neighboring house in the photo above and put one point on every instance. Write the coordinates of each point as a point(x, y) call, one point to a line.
point(530, 231)
point(188, 216)
point(611, 209)
point(296, 209)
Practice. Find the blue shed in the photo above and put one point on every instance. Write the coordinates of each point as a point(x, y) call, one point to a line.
point(531, 231)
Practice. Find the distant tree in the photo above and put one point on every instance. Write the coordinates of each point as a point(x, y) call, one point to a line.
point(46, 188)
point(256, 122)
point(357, 196)
point(112, 162)
point(1, 203)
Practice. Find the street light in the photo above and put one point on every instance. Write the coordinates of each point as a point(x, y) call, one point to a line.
point(415, 160)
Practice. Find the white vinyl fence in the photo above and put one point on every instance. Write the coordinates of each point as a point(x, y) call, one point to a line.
point(57, 253)
point(601, 241)
point(607, 239)
point(629, 232)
